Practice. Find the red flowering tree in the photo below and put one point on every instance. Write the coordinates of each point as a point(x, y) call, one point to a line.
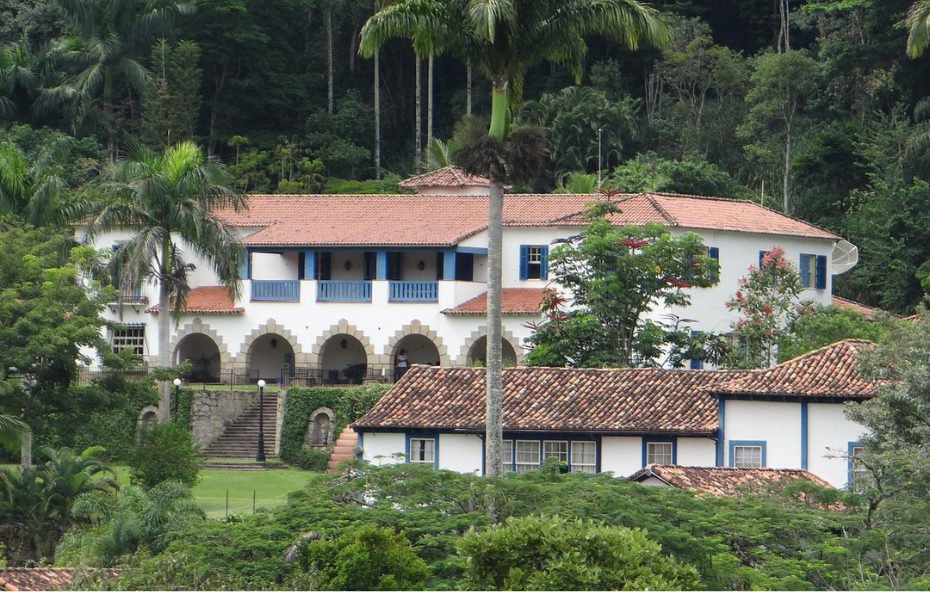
point(767, 301)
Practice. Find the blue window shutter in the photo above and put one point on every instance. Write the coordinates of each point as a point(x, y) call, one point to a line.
point(440, 263)
point(245, 267)
point(821, 278)
point(804, 268)
point(544, 262)
point(369, 265)
point(524, 262)
point(301, 263)
point(324, 269)
point(714, 253)
point(761, 255)
point(697, 364)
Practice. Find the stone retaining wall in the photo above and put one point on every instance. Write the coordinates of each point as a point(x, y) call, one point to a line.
point(212, 411)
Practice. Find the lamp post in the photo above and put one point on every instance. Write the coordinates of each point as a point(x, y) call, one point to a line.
point(260, 455)
point(177, 397)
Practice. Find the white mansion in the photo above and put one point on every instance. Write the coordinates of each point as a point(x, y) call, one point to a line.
point(337, 285)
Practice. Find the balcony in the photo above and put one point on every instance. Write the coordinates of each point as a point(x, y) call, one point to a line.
point(414, 292)
point(275, 290)
point(343, 291)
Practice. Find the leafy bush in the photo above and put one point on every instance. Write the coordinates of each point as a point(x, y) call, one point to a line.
point(365, 558)
point(348, 404)
point(387, 184)
point(165, 452)
point(536, 553)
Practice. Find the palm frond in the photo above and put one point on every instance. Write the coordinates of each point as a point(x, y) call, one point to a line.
point(12, 432)
point(918, 26)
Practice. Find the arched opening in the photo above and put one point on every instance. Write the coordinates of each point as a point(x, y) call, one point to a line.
point(418, 349)
point(147, 420)
point(343, 360)
point(204, 356)
point(321, 428)
point(267, 357)
point(478, 354)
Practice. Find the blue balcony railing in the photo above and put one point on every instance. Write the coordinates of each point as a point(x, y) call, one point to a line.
point(276, 290)
point(343, 291)
point(414, 292)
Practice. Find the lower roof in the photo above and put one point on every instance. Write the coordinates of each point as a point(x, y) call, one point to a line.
point(724, 481)
point(207, 300)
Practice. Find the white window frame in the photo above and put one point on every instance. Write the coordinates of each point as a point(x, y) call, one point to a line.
point(737, 463)
point(656, 457)
point(523, 464)
point(555, 448)
point(534, 262)
point(581, 462)
point(858, 473)
point(507, 455)
point(425, 448)
point(128, 337)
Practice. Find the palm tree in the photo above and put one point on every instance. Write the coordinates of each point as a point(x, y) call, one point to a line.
point(36, 191)
point(109, 35)
point(438, 154)
point(503, 38)
point(164, 198)
point(918, 25)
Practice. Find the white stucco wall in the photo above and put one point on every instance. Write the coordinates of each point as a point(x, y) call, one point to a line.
point(622, 456)
point(460, 452)
point(380, 448)
point(697, 452)
point(274, 266)
point(778, 424)
point(829, 435)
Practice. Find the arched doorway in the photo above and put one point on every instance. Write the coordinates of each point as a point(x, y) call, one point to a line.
point(204, 356)
point(419, 349)
point(478, 353)
point(267, 357)
point(343, 360)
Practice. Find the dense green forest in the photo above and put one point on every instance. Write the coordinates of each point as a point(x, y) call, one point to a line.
point(807, 105)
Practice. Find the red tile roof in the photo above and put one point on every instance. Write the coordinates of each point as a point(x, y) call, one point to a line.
point(626, 400)
point(44, 578)
point(208, 300)
point(724, 481)
point(450, 176)
point(866, 311)
point(445, 220)
point(830, 372)
point(514, 301)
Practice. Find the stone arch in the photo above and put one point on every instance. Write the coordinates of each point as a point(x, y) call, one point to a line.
point(195, 327)
point(415, 328)
point(147, 418)
point(342, 328)
point(320, 428)
point(482, 332)
point(271, 326)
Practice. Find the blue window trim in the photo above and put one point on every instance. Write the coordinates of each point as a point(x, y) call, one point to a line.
point(646, 440)
point(714, 253)
point(761, 255)
point(804, 270)
point(820, 276)
point(543, 262)
point(735, 443)
point(849, 460)
point(804, 435)
point(696, 364)
point(419, 436)
point(721, 431)
point(536, 437)
point(472, 250)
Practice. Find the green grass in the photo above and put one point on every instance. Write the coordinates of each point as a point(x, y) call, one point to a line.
point(271, 488)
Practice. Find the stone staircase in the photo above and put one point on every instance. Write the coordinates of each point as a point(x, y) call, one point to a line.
point(240, 438)
point(343, 449)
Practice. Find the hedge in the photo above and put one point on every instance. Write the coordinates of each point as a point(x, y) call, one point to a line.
point(348, 404)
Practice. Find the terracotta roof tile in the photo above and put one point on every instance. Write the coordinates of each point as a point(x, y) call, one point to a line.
point(627, 400)
point(830, 372)
point(514, 301)
point(44, 578)
point(724, 481)
point(450, 176)
point(444, 220)
point(866, 311)
point(208, 300)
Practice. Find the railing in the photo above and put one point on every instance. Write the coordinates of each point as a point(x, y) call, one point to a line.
point(343, 291)
point(276, 290)
point(355, 374)
point(414, 291)
point(88, 374)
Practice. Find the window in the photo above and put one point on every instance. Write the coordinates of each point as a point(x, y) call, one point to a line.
point(747, 455)
point(697, 363)
point(131, 337)
point(527, 453)
point(507, 455)
point(584, 457)
point(324, 265)
point(558, 450)
point(858, 473)
point(422, 450)
point(533, 262)
point(813, 271)
point(659, 453)
point(762, 254)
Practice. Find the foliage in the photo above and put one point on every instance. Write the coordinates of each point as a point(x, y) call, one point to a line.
point(534, 553)
point(37, 502)
point(363, 558)
point(692, 175)
point(819, 325)
point(616, 275)
point(165, 452)
point(387, 184)
point(348, 404)
point(115, 528)
point(172, 100)
point(767, 304)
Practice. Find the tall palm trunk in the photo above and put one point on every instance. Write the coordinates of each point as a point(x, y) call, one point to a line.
point(377, 114)
point(108, 95)
point(419, 108)
point(329, 55)
point(164, 332)
point(429, 102)
point(468, 90)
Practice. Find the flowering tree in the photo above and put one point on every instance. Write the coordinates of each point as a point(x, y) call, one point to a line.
point(767, 302)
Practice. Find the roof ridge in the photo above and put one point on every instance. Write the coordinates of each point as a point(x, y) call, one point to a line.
point(662, 211)
point(737, 200)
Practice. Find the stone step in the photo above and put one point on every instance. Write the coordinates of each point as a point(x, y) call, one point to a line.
point(240, 438)
point(252, 466)
point(344, 449)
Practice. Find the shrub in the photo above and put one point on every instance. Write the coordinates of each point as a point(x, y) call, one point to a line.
point(166, 452)
point(366, 558)
point(536, 553)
